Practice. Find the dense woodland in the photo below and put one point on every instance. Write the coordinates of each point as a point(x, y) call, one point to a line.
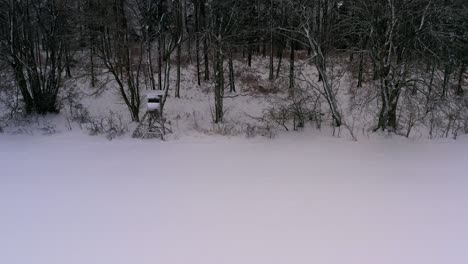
point(411, 54)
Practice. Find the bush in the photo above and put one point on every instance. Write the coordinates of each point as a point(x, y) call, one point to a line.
point(264, 131)
point(294, 111)
point(111, 126)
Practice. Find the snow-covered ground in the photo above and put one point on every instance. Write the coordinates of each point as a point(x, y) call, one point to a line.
point(203, 198)
point(297, 199)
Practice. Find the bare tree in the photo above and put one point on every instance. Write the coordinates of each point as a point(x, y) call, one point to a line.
point(122, 58)
point(305, 34)
point(34, 44)
point(400, 34)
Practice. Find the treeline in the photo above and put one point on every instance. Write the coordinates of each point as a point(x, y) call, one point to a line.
point(418, 47)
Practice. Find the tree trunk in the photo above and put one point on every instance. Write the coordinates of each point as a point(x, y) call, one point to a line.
point(205, 41)
point(177, 90)
point(460, 80)
point(271, 76)
point(280, 57)
point(180, 34)
point(446, 80)
point(150, 61)
point(264, 47)
point(219, 85)
point(291, 68)
point(375, 71)
point(160, 57)
point(429, 90)
point(184, 28)
point(388, 112)
point(197, 39)
point(207, 64)
point(232, 83)
point(23, 87)
point(361, 68)
point(93, 74)
point(249, 56)
point(67, 64)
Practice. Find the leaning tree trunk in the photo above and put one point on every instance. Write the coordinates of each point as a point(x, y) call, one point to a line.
point(329, 95)
point(327, 84)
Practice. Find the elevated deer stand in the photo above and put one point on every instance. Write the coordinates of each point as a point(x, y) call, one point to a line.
point(152, 123)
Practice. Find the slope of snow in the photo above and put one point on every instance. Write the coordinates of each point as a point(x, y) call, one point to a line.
point(75, 199)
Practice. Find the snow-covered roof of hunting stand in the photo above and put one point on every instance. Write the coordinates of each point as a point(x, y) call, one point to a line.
point(154, 100)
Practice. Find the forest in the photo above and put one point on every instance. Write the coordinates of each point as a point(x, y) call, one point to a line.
point(323, 62)
point(233, 131)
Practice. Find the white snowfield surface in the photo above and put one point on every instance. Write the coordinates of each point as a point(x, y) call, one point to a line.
point(292, 200)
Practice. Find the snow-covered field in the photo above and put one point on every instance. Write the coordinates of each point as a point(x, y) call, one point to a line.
point(297, 199)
